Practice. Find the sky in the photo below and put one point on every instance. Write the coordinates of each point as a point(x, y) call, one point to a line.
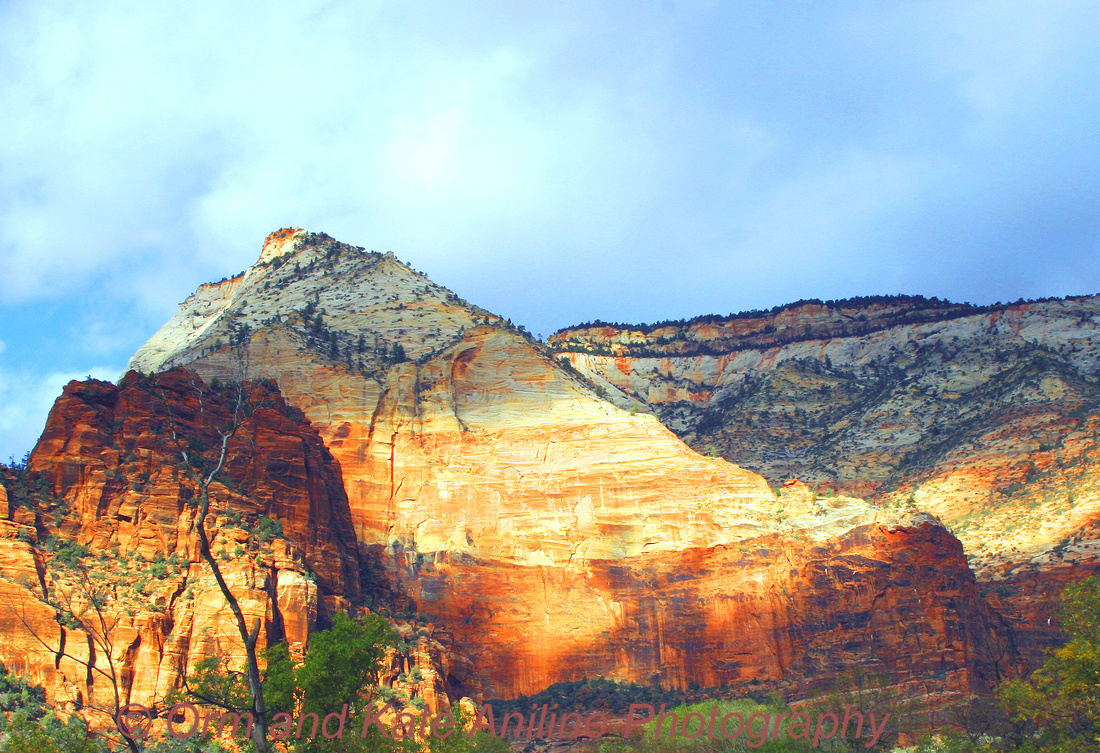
point(553, 162)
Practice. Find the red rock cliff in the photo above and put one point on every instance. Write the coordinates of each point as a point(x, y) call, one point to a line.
point(551, 532)
point(775, 611)
point(986, 417)
point(107, 475)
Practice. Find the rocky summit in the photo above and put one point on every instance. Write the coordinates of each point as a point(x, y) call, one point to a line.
point(537, 507)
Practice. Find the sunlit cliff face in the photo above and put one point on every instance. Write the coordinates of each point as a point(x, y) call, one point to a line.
point(477, 440)
point(986, 417)
point(526, 513)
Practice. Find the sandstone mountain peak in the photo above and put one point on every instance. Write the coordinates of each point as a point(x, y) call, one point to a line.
point(280, 243)
point(359, 303)
point(514, 500)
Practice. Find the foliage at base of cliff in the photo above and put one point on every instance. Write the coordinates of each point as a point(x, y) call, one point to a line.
point(1057, 708)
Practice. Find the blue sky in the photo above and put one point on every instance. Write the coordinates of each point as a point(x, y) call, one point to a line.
point(553, 162)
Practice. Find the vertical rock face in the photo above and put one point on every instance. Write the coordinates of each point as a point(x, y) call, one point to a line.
point(988, 417)
point(773, 612)
point(112, 520)
point(551, 533)
point(109, 452)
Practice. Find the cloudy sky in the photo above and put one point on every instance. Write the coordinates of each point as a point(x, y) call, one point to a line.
point(553, 162)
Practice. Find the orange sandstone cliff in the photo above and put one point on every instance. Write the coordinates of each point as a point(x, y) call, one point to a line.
point(987, 417)
point(555, 535)
point(103, 514)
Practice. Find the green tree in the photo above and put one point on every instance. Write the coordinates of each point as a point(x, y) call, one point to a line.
point(24, 734)
point(343, 661)
point(26, 726)
point(80, 605)
point(461, 742)
point(16, 694)
point(1062, 698)
point(341, 666)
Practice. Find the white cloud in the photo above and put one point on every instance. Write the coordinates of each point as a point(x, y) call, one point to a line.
point(613, 154)
point(1003, 59)
point(149, 134)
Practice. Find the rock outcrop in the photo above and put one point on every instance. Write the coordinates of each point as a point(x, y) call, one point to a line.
point(550, 532)
point(99, 567)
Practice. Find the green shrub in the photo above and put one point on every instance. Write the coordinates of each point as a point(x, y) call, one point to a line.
point(69, 554)
point(758, 736)
point(16, 693)
point(267, 528)
point(23, 734)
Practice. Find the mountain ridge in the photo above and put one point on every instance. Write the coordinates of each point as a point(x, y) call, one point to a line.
point(550, 530)
point(989, 420)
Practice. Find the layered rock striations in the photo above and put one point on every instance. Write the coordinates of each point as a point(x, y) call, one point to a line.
point(556, 535)
point(781, 612)
point(104, 514)
point(987, 417)
point(472, 439)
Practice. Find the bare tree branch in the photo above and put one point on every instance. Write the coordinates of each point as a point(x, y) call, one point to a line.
point(100, 639)
point(241, 413)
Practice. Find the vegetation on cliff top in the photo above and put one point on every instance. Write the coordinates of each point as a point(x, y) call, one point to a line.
point(848, 317)
point(900, 303)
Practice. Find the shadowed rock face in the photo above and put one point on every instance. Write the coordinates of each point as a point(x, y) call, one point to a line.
point(110, 453)
point(553, 534)
point(108, 475)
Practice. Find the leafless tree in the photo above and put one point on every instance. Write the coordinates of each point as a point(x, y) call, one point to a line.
point(241, 407)
point(80, 604)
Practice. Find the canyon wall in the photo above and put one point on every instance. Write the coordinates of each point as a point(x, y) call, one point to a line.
point(523, 510)
point(100, 575)
point(987, 417)
point(773, 613)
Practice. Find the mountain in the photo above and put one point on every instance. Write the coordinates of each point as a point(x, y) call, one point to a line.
point(987, 417)
point(545, 532)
